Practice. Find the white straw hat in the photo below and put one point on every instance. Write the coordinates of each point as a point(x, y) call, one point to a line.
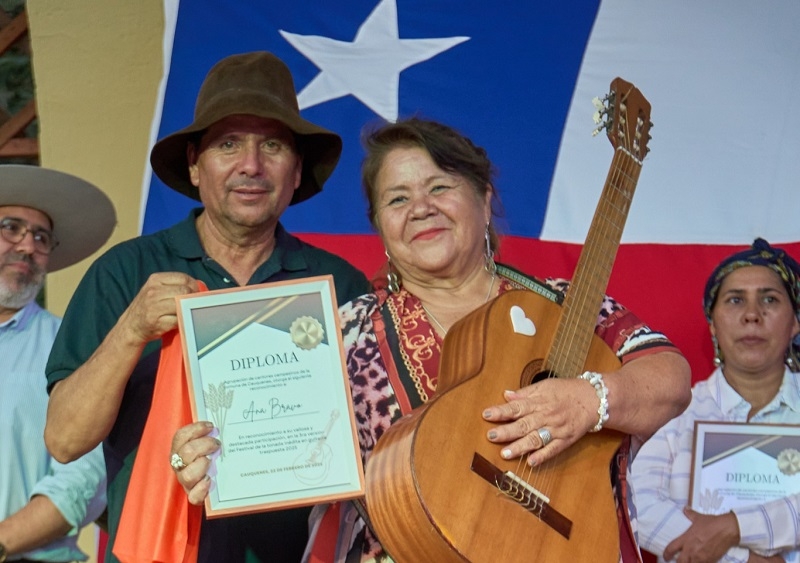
point(83, 216)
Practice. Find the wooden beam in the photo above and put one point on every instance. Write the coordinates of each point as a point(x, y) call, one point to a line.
point(13, 31)
point(18, 122)
point(21, 147)
point(11, 145)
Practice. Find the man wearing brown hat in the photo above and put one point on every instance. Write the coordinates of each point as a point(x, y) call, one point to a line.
point(247, 156)
point(48, 220)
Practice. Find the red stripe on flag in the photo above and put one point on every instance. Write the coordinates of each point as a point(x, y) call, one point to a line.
point(663, 284)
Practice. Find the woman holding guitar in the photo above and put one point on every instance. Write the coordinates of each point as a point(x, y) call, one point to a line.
point(752, 304)
point(430, 194)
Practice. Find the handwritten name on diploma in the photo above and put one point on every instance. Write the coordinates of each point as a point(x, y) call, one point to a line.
point(274, 409)
point(267, 360)
point(755, 478)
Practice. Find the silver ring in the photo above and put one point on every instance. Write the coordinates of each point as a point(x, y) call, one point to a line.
point(545, 435)
point(176, 462)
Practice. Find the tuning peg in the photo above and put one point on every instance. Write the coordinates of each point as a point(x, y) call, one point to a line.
point(599, 115)
point(601, 110)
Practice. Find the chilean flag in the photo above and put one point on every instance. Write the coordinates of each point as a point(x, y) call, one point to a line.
point(519, 79)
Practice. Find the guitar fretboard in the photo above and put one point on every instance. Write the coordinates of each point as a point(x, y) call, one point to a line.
point(573, 336)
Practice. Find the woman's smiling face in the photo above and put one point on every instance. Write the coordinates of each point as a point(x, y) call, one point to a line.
point(432, 222)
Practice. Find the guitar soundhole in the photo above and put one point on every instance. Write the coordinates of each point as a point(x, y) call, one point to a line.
point(533, 373)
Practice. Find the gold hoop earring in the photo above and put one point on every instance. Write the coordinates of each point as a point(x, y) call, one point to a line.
point(792, 359)
point(718, 357)
point(488, 254)
point(392, 279)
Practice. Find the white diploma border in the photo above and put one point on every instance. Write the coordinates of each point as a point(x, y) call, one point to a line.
point(234, 310)
point(708, 448)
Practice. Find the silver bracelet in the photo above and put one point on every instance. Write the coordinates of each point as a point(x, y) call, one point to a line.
point(600, 388)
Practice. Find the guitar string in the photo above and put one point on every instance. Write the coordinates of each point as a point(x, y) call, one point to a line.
point(622, 184)
point(604, 230)
point(616, 187)
point(554, 361)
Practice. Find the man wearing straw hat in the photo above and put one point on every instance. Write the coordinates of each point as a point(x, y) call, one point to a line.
point(247, 156)
point(48, 220)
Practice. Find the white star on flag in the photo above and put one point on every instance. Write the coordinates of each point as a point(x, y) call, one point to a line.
point(369, 67)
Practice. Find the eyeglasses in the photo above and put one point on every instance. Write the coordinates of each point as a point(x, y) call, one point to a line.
point(14, 230)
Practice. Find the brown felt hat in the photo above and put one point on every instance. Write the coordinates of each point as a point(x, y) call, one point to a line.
point(258, 84)
point(83, 216)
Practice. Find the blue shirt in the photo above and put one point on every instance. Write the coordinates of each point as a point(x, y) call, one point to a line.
point(26, 469)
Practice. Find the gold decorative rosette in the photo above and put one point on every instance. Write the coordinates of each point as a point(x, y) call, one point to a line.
point(306, 332)
point(789, 461)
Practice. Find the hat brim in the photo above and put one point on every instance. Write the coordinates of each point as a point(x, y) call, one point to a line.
point(83, 216)
point(319, 147)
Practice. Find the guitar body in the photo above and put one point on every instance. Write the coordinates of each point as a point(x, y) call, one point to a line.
point(451, 512)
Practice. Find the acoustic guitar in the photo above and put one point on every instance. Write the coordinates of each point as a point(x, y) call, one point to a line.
point(436, 489)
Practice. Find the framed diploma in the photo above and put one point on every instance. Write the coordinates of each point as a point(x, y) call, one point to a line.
point(737, 464)
point(265, 364)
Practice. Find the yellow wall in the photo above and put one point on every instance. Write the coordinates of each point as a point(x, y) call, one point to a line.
point(97, 66)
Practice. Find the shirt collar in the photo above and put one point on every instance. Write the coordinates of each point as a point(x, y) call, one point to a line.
point(21, 318)
point(184, 239)
point(286, 256)
point(788, 394)
point(729, 399)
point(287, 251)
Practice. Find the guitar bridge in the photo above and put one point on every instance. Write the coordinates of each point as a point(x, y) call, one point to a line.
point(521, 492)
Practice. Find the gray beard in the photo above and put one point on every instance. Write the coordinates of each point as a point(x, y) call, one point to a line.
point(26, 291)
point(11, 299)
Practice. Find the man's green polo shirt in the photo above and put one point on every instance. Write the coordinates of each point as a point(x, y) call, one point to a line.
point(108, 287)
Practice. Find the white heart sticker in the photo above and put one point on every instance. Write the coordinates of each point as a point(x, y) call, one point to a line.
point(521, 323)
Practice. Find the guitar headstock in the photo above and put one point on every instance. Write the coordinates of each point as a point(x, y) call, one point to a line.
point(627, 118)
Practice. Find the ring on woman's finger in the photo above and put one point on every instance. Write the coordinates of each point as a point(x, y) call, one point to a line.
point(176, 462)
point(545, 436)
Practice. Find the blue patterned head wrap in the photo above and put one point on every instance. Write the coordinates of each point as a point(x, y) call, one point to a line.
point(759, 254)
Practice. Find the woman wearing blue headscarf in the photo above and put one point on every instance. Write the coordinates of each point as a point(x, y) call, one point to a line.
point(752, 304)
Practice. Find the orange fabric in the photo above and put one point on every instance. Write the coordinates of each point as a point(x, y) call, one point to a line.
point(324, 550)
point(158, 525)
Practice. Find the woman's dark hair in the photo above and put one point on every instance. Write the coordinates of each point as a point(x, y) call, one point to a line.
point(450, 150)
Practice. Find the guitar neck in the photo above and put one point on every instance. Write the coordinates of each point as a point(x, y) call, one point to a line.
point(573, 336)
